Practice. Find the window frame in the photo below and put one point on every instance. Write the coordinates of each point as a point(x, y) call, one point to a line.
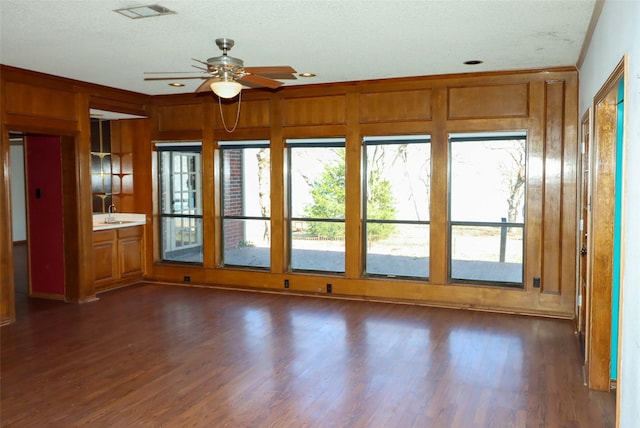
point(320, 142)
point(224, 145)
point(476, 137)
point(178, 147)
point(391, 140)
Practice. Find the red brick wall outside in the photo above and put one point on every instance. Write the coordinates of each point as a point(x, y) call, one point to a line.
point(233, 198)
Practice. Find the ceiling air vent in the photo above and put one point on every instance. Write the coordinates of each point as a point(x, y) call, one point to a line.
point(137, 12)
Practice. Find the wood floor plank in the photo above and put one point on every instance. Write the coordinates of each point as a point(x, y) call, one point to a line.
point(156, 355)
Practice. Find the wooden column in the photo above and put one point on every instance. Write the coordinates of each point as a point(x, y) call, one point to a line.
point(553, 164)
point(7, 293)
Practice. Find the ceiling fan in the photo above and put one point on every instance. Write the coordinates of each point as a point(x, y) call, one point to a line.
point(225, 75)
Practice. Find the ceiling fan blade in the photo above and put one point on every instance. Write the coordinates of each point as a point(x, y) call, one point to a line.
point(255, 81)
point(275, 72)
point(276, 76)
point(171, 72)
point(206, 85)
point(175, 78)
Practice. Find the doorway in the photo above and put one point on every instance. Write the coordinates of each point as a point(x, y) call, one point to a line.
point(73, 171)
point(19, 218)
point(37, 214)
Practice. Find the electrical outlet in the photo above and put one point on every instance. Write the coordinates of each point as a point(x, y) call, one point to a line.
point(187, 279)
point(329, 288)
point(286, 283)
point(536, 282)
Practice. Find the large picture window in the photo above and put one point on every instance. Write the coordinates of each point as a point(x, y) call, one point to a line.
point(246, 203)
point(317, 204)
point(397, 184)
point(180, 187)
point(487, 198)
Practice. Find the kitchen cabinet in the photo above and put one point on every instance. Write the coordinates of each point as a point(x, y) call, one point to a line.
point(118, 256)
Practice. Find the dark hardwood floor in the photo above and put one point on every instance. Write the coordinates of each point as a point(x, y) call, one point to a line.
point(157, 355)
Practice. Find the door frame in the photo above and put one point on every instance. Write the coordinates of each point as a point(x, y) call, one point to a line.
point(77, 217)
point(583, 266)
point(600, 249)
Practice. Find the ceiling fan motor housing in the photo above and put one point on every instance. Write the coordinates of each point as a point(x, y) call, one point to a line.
point(225, 64)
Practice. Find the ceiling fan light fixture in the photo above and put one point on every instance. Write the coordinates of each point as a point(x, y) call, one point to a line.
point(226, 88)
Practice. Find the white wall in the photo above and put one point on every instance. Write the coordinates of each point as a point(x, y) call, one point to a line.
point(18, 206)
point(617, 34)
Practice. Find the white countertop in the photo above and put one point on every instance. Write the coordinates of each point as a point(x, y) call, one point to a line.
point(119, 220)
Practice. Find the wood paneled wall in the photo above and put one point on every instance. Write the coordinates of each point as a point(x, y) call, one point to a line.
point(33, 103)
point(544, 103)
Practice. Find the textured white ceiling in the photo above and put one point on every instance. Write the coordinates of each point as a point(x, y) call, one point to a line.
point(339, 40)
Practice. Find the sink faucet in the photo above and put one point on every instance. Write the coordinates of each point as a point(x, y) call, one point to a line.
point(110, 211)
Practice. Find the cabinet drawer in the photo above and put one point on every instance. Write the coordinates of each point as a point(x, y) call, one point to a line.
point(129, 232)
point(104, 235)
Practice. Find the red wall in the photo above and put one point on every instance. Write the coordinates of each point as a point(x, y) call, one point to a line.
point(45, 230)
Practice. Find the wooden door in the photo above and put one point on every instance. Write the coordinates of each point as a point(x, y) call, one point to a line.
point(45, 216)
point(104, 257)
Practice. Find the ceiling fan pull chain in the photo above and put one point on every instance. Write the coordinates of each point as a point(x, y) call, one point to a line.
point(237, 114)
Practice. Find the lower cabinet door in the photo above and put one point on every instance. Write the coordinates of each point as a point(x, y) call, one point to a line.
point(130, 257)
point(104, 258)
